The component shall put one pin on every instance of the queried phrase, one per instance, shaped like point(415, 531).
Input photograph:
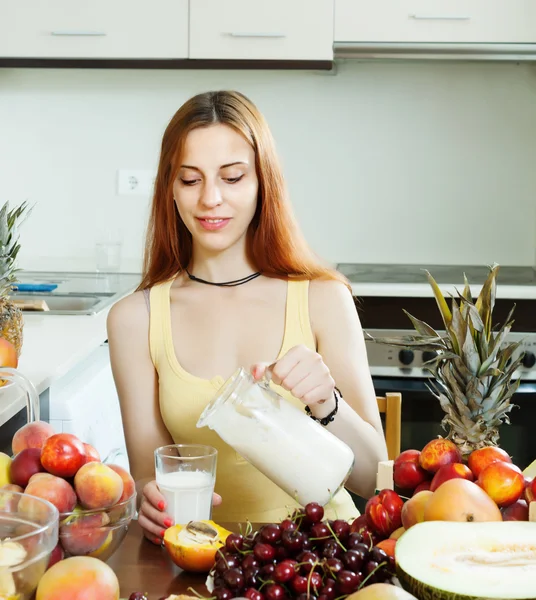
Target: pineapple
point(472, 373)
point(11, 321)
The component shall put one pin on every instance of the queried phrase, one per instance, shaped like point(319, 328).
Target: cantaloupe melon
point(440, 560)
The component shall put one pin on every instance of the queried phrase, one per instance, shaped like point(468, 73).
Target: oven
point(400, 370)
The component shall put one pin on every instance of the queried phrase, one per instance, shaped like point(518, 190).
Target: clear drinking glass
point(108, 256)
point(299, 455)
point(185, 474)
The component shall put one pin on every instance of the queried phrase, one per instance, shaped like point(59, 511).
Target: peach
point(483, 457)
point(31, 435)
point(461, 500)
point(397, 533)
point(424, 486)
point(451, 472)
point(63, 454)
point(518, 511)
point(92, 454)
point(12, 487)
point(98, 486)
point(54, 489)
point(25, 464)
point(129, 485)
point(83, 534)
point(381, 591)
point(437, 453)
point(407, 473)
point(56, 555)
point(78, 578)
point(8, 355)
point(503, 482)
point(413, 509)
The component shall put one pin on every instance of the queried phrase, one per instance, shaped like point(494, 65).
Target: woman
point(229, 282)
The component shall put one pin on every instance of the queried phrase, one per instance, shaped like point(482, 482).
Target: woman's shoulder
point(329, 297)
point(129, 310)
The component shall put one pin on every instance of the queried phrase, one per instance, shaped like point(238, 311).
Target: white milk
point(188, 494)
point(296, 453)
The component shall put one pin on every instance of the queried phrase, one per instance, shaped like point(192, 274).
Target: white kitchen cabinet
point(436, 21)
point(118, 29)
point(260, 30)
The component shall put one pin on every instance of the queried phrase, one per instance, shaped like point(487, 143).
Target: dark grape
point(299, 584)
point(341, 529)
point(320, 531)
point(274, 592)
point(379, 555)
point(353, 540)
point(334, 565)
point(222, 593)
point(314, 512)
point(353, 560)
point(284, 572)
point(253, 594)
point(292, 540)
point(267, 572)
point(234, 543)
point(331, 549)
point(264, 552)
point(287, 525)
point(348, 581)
point(234, 579)
point(270, 534)
point(251, 576)
point(250, 561)
point(138, 596)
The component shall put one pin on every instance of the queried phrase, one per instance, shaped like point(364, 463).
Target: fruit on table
point(407, 472)
point(129, 485)
point(193, 546)
point(8, 354)
point(468, 560)
point(25, 464)
point(388, 546)
point(63, 454)
point(54, 489)
point(78, 578)
point(91, 453)
point(518, 511)
point(5, 469)
point(503, 482)
point(530, 490)
point(397, 533)
point(451, 471)
point(83, 534)
point(383, 511)
point(483, 457)
point(461, 500)
point(31, 435)
point(97, 486)
point(381, 591)
point(424, 486)
point(56, 555)
point(438, 453)
point(413, 509)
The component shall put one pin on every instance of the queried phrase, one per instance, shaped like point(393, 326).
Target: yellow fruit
point(5, 467)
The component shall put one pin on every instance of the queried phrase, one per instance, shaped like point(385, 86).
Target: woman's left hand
point(302, 372)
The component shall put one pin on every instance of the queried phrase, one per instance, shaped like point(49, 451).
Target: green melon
point(446, 560)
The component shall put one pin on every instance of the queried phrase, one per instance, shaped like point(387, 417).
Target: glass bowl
point(28, 534)
point(97, 532)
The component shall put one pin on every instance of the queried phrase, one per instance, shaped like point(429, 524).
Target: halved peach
point(193, 546)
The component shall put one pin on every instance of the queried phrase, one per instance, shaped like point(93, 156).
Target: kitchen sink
point(55, 303)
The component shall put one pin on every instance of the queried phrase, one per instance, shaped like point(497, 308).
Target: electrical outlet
point(135, 182)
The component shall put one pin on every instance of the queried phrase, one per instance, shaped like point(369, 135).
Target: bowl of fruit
point(95, 501)
point(28, 535)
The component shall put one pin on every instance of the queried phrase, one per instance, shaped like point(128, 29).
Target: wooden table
point(143, 567)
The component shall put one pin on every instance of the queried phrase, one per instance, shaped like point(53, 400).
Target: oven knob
point(428, 355)
point(529, 360)
point(406, 356)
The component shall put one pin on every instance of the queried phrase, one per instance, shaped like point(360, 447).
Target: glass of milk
point(277, 437)
point(185, 475)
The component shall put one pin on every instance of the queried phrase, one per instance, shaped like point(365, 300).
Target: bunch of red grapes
point(302, 558)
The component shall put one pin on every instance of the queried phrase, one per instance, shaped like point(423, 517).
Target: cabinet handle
point(440, 17)
point(256, 34)
point(74, 32)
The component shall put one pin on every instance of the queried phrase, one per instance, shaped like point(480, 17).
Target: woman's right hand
point(152, 515)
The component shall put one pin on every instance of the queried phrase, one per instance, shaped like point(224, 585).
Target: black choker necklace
point(224, 283)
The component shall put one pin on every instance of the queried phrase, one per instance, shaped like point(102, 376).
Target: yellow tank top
point(247, 494)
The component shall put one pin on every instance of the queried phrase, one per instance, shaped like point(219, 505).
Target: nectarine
point(129, 485)
point(25, 464)
point(91, 453)
point(518, 511)
point(63, 454)
point(407, 473)
point(437, 453)
point(54, 489)
point(451, 471)
point(97, 486)
point(483, 457)
point(503, 482)
point(383, 512)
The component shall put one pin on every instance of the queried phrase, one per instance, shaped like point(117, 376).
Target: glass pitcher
point(299, 455)
point(15, 377)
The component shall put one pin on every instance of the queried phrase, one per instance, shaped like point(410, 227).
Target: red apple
point(407, 473)
point(25, 464)
point(452, 471)
point(518, 511)
point(384, 512)
point(63, 454)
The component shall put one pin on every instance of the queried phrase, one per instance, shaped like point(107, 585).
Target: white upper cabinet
point(96, 29)
point(261, 30)
point(436, 21)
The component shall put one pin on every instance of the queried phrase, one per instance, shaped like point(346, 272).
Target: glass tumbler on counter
point(185, 475)
point(108, 256)
point(299, 455)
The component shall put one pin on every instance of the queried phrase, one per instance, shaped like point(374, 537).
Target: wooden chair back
point(391, 406)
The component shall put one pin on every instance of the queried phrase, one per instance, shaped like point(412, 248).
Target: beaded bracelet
point(328, 418)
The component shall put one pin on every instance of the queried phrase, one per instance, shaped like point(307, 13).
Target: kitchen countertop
point(52, 346)
point(424, 290)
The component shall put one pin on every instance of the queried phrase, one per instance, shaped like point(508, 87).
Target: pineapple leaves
point(441, 302)
point(486, 299)
point(422, 327)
